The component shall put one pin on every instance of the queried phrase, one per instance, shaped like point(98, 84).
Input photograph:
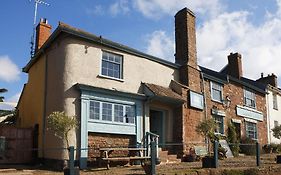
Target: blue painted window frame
point(249, 98)
point(112, 65)
point(251, 130)
point(109, 112)
point(216, 92)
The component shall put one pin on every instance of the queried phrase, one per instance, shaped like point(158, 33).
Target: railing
point(149, 137)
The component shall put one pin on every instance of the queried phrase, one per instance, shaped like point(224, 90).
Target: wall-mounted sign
point(218, 112)
point(196, 100)
point(249, 113)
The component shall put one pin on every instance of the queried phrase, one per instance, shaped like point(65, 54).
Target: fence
point(12, 141)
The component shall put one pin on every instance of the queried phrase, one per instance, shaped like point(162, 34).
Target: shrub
point(232, 139)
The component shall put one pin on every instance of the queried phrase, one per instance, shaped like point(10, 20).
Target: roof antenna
point(36, 2)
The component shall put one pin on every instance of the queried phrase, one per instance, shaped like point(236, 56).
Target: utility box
point(2, 146)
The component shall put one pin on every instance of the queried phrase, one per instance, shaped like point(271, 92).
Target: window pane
point(219, 122)
point(249, 98)
point(107, 111)
point(111, 65)
point(251, 130)
point(118, 113)
point(216, 91)
point(94, 110)
point(130, 114)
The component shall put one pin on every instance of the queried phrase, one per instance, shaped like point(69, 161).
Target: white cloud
point(96, 10)
point(160, 45)
point(14, 98)
point(9, 71)
point(157, 8)
point(120, 6)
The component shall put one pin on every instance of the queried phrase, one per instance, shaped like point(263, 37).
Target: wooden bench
point(105, 155)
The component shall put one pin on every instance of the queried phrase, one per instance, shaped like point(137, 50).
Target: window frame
point(103, 60)
point(220, 121)
point(212, 84)
point(250, 132)
point(114, 118)
point(274, 101)
point(252, 98)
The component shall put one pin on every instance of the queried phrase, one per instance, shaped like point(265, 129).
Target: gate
point(16, 145)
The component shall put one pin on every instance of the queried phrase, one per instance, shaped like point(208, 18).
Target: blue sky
point(252, 28)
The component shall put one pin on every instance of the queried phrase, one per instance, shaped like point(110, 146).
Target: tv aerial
point(36, 2)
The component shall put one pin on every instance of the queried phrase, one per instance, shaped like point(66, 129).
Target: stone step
point(165, 157)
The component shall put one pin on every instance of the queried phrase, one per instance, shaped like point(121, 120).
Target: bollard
point(153, 157)
point(71, 160)
point(216, 145)
point(258, 153)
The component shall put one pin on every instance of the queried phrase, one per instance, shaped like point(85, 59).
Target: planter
point(66, 171)
point(208, 162)
point(278, 159)
point(147, 169)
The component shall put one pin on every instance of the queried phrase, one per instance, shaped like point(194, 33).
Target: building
point(119, 94)
point(273, 101)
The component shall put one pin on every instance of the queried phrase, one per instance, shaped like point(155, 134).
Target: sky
point(250, 27)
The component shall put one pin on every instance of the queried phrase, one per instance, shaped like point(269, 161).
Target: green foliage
point(272, 148)
point(2, 90)
point(232, 138)
point(277, 132)
point(61, 124)
point(207, 128)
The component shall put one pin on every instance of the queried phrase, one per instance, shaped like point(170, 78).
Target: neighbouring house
point(119, 94)
point(273, 101)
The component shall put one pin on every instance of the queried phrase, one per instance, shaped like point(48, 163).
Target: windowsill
point(217, 101)
point(111, 78)
point(275, 109)
point(220, 134)
point(110, 122)
point(251, 107)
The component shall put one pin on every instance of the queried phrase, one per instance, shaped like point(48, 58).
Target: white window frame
point(220, 90)
point(120, 64)
point(219, 123)
point(274, 101)
point(252, 98)
point(254, 131)
point(131, 120)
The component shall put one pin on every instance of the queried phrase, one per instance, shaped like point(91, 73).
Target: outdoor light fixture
point(226, 102)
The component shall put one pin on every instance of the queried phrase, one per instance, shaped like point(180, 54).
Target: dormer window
point(111, 65)
point(249, 98)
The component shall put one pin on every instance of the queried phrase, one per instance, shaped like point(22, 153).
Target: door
point(156, 124)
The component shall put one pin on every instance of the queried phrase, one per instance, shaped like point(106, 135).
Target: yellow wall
point(32, 99)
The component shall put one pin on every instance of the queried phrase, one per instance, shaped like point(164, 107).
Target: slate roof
point(83, 35)
point(223, 78)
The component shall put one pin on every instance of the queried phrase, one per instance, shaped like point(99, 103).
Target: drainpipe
point(44, 106)
point(268, 117)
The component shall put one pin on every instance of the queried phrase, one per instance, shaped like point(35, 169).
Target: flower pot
point(147, 169)
point(278, 159)
point(66, 171)
point(208, 162)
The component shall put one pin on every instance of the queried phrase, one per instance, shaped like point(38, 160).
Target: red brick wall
point(96, 140)
point(236, 94)
point(43, 31)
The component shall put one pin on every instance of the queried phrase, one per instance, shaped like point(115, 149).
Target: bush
point(232, 139)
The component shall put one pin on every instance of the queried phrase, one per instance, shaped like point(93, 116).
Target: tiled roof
point(161, 91)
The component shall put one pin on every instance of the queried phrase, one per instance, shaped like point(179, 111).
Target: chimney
point(43, 31)
point(186, 56)
point(270, 79)
point(235, 65)
point(185, 38)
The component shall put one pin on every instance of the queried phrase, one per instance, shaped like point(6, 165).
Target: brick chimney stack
point(270, 79)
point(186, 54)
point(185, 38)
point(235, 65)
point(43, 31)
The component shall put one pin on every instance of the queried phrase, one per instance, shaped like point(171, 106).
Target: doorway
point(156, 123)
point(237, 130)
